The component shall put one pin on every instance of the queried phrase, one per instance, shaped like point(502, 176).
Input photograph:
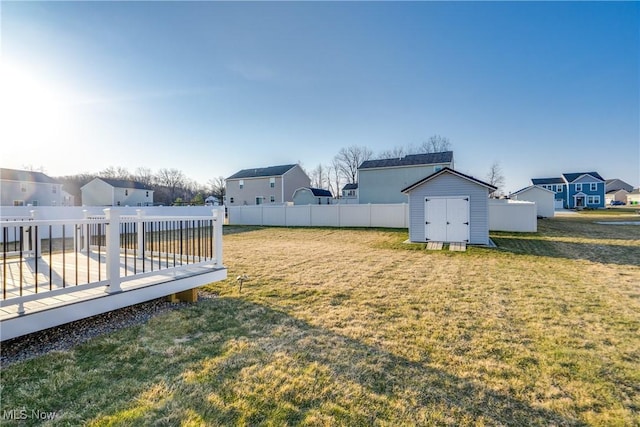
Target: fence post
point(140, 234)
point(113, 250)
point(217, 234)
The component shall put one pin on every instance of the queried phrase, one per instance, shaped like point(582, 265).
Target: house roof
point(531, 187)
point(25, 176)
point(262, 172)
point(410, 160)
point(352, 186)
point(452, 172)
point(124, 183)
point(570, 177)
point(542, 181)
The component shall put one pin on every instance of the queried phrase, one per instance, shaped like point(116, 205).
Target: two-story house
point(116, 192)
point(30, 188)
point(273, 184)
point(382, 180)
point(576, 190)
point(616, 190)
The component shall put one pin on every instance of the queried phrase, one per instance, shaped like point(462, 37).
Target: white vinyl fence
point(510, 215)
point(503, 215)
point(338, 215)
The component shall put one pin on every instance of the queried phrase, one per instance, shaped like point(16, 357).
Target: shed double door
point(447, 219)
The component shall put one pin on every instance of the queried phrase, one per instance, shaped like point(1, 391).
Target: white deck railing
point(47, 258)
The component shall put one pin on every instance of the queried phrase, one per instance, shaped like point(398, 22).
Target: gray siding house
point(448, 206)
point(312, 196)
point(24, 188)
point(273, 185)
point(382, 181)
point(116, 192)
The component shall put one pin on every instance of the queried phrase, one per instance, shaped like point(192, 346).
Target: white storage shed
point(543, 198)
point(449, 206)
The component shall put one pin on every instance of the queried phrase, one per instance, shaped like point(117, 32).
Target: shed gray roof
point(570, 177)
point(410, 160)
point(453, 172)
point(319, 192)
point(124, 183)
point(542, 181)
point(352, 186)
point(261, 172)
point(25, 176)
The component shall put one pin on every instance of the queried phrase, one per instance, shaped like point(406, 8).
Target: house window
point(593, 200)
point(258, 200)
point(54, 189)
point(147, 194)
point(118, 203)
point(272, 199)
point(23, 188)
point(241, 184)
point(231, 200)
point(35, 202)
point(594, 186)
point(559, 188)
point(126, 192)
point(18, 203)
point(272, 182)
point(578, 187)
point(437, 168)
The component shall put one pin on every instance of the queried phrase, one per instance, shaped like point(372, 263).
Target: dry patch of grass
point(352, 327)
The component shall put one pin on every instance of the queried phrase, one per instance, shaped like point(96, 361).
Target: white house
point(116, 192)
point(633, 198)
point(543, 198)
point(312, 196)
point(273, 184)
point(30, 188)
point(382, 181)
point(449, 206)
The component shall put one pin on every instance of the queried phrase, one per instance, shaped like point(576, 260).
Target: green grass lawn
point(353, 327)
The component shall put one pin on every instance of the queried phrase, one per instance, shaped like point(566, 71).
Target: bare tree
point(435, 144)
point(115, 172)
point(349, 159)
point(218, 188)
point(319, 176)
point(495, 177)
point(394, 153)
point(334, 178)
point(172, 179)
point(144, 175)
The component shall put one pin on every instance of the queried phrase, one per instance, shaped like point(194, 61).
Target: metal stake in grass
point(241, 280)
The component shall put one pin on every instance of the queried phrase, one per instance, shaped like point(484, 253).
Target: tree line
point(170, 186)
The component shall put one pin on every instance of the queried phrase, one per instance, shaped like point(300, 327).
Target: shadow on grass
point(246, 363)
point(600, 253)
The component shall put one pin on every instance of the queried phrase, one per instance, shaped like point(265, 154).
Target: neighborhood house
point(382, 181)
point(116, 192)
point(575, 190)
point(30, 188)
point(273, 184)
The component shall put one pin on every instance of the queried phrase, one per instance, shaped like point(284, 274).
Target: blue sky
point(213, 87)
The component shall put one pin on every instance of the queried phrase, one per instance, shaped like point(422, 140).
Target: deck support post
point(140, 222)
point(36, 239)
point(113, 250)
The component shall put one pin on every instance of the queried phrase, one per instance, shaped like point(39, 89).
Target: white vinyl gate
point(447, 219)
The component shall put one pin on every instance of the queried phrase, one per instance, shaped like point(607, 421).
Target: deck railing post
point(36, 239)
point(84, 240)
point(218, 220)
point(140, 222)
point(112, 247)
